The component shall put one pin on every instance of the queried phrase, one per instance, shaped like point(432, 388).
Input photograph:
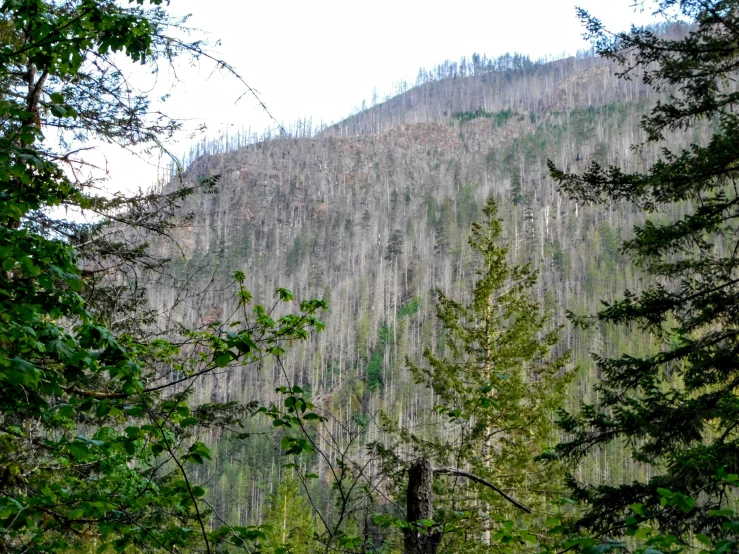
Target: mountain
point(372, 214)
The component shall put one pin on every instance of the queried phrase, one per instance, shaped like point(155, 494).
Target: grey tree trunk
point(420, 506)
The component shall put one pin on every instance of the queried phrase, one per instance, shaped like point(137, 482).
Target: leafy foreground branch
point(95, 450)
point(97, 439)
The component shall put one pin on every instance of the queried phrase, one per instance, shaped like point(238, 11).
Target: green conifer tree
point(496, 384)
point(394, 245)
point(677, 406)
point(517, 195)
point(289, 518)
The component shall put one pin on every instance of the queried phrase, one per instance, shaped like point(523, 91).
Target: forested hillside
point(373, 215)
point(496, 312)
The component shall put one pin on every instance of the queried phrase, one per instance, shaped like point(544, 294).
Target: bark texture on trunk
point(420, 506)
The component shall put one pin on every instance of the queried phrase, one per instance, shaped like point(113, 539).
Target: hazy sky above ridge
point(320, 59)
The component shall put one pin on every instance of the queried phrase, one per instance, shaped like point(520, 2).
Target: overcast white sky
point(320, 59)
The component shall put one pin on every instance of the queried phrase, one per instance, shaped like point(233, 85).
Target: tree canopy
point(675, 407)
point(97, 438)
point(101, 440)
point(496, 381)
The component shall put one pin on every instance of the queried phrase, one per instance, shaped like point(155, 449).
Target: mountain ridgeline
point(373, 214)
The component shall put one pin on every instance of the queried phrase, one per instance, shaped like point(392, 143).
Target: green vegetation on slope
point(108, 402)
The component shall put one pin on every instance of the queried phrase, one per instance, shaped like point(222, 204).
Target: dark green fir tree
point(677, 407)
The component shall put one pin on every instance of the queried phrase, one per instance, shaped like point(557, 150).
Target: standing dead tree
point(420, 505)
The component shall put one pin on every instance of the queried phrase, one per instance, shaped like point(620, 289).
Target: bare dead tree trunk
point(420, 506)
